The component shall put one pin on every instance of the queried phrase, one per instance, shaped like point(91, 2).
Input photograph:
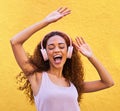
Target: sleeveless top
point(52, 97)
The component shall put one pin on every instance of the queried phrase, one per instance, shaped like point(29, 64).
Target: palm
point(57, 14)
point(83, 47)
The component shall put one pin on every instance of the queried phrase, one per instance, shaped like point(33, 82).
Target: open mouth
point(57, 58)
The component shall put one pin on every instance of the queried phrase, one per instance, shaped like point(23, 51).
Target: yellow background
point(98, 21)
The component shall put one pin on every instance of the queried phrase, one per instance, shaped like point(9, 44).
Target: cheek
point(50, 54)
point(65, 51)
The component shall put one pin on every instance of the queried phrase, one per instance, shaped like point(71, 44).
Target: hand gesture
point(57, 14)
point(83, 47)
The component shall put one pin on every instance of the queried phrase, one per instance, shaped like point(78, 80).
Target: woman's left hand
point(83, 47)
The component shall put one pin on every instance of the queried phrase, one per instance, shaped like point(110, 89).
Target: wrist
point(91, 57)
point(45, 21)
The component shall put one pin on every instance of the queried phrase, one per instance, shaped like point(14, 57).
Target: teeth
point(57, 59)
point(57, 56)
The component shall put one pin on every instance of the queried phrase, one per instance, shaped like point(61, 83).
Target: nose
point(57, 49)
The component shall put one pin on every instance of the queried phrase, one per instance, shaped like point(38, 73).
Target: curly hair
point(72, 70)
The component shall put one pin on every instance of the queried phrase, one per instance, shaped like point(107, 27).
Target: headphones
point(69, 52)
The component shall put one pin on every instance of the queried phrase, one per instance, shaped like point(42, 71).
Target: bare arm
point(105, 78)
point(19, 52)
point(18, 40)
point(17, 45)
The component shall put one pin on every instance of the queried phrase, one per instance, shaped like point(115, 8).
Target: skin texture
point(55, 70)
point(56, 46)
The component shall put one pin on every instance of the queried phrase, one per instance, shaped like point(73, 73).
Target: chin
point(58, 66)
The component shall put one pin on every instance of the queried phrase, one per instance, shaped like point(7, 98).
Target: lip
point(57, 59)
point(55, 56)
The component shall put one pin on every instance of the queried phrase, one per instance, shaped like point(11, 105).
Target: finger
point(78, 41)
point(66, 12)
point(79, 38)
point(76, 45)
point(83, 41)
point(62, 10)
point(59, 9)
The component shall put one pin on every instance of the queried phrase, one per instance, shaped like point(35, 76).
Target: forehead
point(55, 39)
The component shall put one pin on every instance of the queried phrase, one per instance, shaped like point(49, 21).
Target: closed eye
point(61, 45)
point(51, 47)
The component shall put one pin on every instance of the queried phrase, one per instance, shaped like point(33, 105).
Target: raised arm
point(18, 40)
point(105, 78)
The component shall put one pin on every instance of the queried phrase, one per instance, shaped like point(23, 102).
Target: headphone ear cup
point(69, 53)
point(44, 54)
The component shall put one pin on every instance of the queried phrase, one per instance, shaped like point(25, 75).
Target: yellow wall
point(98, 21)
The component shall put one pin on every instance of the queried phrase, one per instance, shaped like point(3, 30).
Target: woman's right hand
point(57, 14)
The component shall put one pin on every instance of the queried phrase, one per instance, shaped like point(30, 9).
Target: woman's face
point(57, 51)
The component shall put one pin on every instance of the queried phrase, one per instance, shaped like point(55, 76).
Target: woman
point(54, 74)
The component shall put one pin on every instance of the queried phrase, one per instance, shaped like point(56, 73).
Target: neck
point(56, 72)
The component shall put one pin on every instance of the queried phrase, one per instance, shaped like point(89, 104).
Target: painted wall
point(98, 21)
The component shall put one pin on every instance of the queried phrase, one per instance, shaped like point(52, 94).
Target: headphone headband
point(56, 34)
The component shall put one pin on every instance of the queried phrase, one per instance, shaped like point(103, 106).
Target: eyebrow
point(53, 44)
